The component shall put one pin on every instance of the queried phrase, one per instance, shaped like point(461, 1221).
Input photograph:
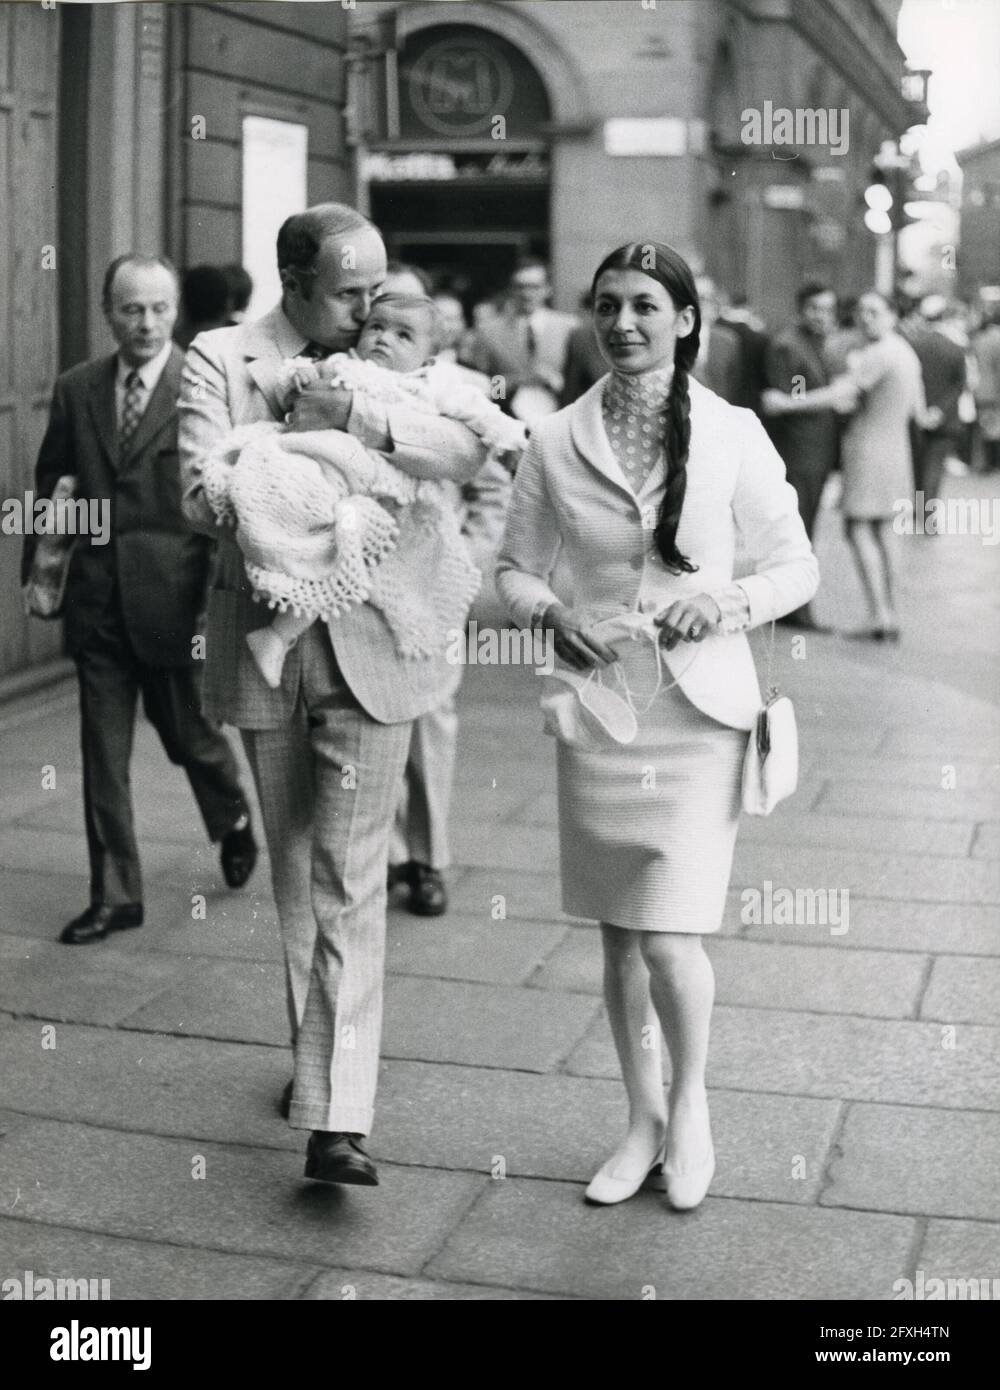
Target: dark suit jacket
point(809, 443)
point(942, 363)
point(159, 564)
point(584, 363)
point(751, 375)
point(719, 367)
point(498, 348)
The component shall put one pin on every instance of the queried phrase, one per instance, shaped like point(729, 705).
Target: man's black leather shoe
point(428, 895)
point(398, 874)
point(238, 856)
point(332, 1157)
point(98, 921)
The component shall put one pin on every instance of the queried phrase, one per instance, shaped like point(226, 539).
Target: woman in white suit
point(631, 500)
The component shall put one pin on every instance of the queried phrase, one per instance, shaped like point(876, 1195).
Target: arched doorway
point(462, 187)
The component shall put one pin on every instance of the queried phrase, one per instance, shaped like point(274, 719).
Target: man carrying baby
point(316, 512)
point(327, 747)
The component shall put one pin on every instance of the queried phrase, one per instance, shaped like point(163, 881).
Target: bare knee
point(670, 953)
point(622, 947)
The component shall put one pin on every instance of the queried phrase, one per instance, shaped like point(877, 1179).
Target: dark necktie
point(314, 351)
point(531, 342)
point(131, 407)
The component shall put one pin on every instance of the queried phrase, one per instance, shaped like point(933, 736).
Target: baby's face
point(398, 338)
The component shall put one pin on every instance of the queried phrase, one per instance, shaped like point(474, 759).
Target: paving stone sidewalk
point(855, 1064)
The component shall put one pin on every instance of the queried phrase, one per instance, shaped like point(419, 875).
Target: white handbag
point(771, 764)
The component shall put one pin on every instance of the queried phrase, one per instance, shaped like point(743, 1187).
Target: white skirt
point(647, 830)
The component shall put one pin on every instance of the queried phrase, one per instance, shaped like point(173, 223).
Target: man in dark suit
point(132, 606)
point(525, 345)
point(584, 364)
point(750, 333)
point(800, 405)
point(942, 364)
point(718, 365)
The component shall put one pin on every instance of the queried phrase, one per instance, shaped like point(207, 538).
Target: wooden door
point(29, 271)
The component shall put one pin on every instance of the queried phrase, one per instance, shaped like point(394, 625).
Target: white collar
point(150, 372)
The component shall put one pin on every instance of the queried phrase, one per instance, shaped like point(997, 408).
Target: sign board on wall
point(275, 184)
point(659, 135)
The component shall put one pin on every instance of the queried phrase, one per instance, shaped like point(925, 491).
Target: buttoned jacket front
point(577, 532)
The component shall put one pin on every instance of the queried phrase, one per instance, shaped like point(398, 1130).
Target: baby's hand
point(305, 373)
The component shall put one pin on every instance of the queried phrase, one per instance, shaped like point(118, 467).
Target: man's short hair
point(529, 263)
point(395, 267)
point(448, 297)
point(809, 291)
point(205, 293)
point(134, 258)
point(240, 286)
point(301, 235)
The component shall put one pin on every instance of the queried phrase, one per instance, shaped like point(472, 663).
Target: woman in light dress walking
point(876, 454)
point(639, 490)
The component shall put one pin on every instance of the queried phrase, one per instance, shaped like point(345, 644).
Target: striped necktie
point(132, 407)
point(530, 341)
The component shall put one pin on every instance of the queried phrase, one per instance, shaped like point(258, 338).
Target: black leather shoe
point(285, 1103)
point(428, 895)
point(238, 856)
point(398, 874)
point(332, 1157)
point(98, 921)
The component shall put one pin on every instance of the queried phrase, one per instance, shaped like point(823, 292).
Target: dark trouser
point(936, 448)
point(111, 677)
point(808, 484)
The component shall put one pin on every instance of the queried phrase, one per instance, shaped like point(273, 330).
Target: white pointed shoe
point(685, 1191)
point(606, 1189)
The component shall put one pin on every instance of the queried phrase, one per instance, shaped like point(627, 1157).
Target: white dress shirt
point(149, 374)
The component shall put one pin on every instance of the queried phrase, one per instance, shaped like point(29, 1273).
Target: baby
point(319, 514)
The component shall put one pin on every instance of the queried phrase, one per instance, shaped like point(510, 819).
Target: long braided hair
point(663, 264)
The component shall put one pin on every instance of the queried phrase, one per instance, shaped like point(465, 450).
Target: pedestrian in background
point(205, 303)
point(800, 404)
point(942, 366)
point(133, 606)
point(525, 344)
point(639, 489)
point(986, 351)
point(718, 366)
point(584, 363)
point(420, 848)
point(240, 284)
point(877, 454)
point(751, 334)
